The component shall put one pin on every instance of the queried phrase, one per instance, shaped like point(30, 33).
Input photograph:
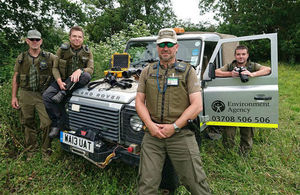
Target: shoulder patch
point(86, 48)
point(65, 46)
point(21, 57)
point(45, 54)
point(153, 65)
point(180, 66)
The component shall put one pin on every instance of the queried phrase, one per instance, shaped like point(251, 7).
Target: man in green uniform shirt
point(251, 69)
point(168, 96)
point(32, 75)
point(73, 70)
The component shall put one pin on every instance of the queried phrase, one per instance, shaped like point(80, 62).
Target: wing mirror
point(211, 71)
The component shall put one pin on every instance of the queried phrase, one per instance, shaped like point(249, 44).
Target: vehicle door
point(231, 102)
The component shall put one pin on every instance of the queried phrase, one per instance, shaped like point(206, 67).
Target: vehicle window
point(189, 51)
point(142, 52)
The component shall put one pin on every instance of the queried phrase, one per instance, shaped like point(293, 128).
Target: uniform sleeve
point(55, 69)
point(193, 82)
point(53, 59)
point(17, 64)
point(142, 81)
point(225, 68)
point(257, 66)
point(90, 64)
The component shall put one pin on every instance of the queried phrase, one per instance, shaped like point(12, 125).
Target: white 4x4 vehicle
point(104, 124)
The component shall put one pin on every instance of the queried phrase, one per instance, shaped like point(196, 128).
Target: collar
point(169, 66)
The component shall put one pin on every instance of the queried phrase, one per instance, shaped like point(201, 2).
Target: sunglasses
point(168, 44)
point(37, 40)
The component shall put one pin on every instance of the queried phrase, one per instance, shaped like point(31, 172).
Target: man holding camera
point(244, 68)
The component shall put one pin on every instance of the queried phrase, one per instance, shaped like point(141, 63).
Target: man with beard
point(167, 97)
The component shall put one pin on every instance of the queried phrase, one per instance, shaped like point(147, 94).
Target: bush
point(116, 43)
point(11, 133)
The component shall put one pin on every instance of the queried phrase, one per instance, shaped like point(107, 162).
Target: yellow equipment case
point(120, 62)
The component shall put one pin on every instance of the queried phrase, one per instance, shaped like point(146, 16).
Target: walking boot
point(54, 132)
point(59, 97)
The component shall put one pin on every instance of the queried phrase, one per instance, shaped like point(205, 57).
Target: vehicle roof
point(205, 36)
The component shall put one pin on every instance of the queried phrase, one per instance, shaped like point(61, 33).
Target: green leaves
point(248, 17)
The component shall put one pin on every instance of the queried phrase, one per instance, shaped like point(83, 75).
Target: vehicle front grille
point(105, 119)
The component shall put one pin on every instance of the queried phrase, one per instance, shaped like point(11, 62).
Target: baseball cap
point(166, 35)
point(34, 34)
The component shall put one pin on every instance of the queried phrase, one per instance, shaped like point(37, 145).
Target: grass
point(272, 167)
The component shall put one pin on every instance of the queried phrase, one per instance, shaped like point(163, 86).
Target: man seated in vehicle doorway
point(244, 68)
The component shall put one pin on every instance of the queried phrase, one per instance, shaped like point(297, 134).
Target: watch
point(177, 129)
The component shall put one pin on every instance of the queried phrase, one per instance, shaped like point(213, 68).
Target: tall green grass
point(272, 167)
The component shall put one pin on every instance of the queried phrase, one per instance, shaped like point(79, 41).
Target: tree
point(117, 15)
point(246, 17)
point(17, 17)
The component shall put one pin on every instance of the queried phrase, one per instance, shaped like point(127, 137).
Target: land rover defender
point(104, 125)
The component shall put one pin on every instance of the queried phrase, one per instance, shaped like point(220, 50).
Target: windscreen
point(143, 52)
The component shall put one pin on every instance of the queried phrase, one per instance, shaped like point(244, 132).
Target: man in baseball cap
point(32, 76)
point(166, 118)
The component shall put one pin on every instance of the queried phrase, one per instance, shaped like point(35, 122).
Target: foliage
point(17, 17)
point(117, 15)
point(6, 59)
point(247, 17)
point(116, 43)
point(190, 27)
point(271, 168)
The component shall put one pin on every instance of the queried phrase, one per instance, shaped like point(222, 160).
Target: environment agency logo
point(218, 106)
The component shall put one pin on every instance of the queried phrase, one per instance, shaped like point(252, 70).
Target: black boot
point(59, 97)
point(54, 132)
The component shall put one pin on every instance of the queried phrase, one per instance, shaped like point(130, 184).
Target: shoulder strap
point(251, 66)
point(230, 66)
point(20, 61)
point(65, 46)
point(86, 49)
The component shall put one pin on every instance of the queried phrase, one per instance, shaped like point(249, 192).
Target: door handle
point(262, 97)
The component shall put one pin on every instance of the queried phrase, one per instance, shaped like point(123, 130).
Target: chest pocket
point(178, 97)
point(85, 60)
point(43, 66)
point(62, 65)
point(23, 80)
point(152, 94)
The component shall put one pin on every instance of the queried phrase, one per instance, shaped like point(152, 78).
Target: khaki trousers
point(30, 102)
point(183, 151)
point(247, 134)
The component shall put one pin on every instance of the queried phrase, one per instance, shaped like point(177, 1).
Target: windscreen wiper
point(143, 62)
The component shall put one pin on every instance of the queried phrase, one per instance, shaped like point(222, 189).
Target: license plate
point(78, 142)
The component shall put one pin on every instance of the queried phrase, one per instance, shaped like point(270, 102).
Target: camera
point(244, 78)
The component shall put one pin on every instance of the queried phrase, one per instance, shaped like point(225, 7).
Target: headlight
point(136, 123)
